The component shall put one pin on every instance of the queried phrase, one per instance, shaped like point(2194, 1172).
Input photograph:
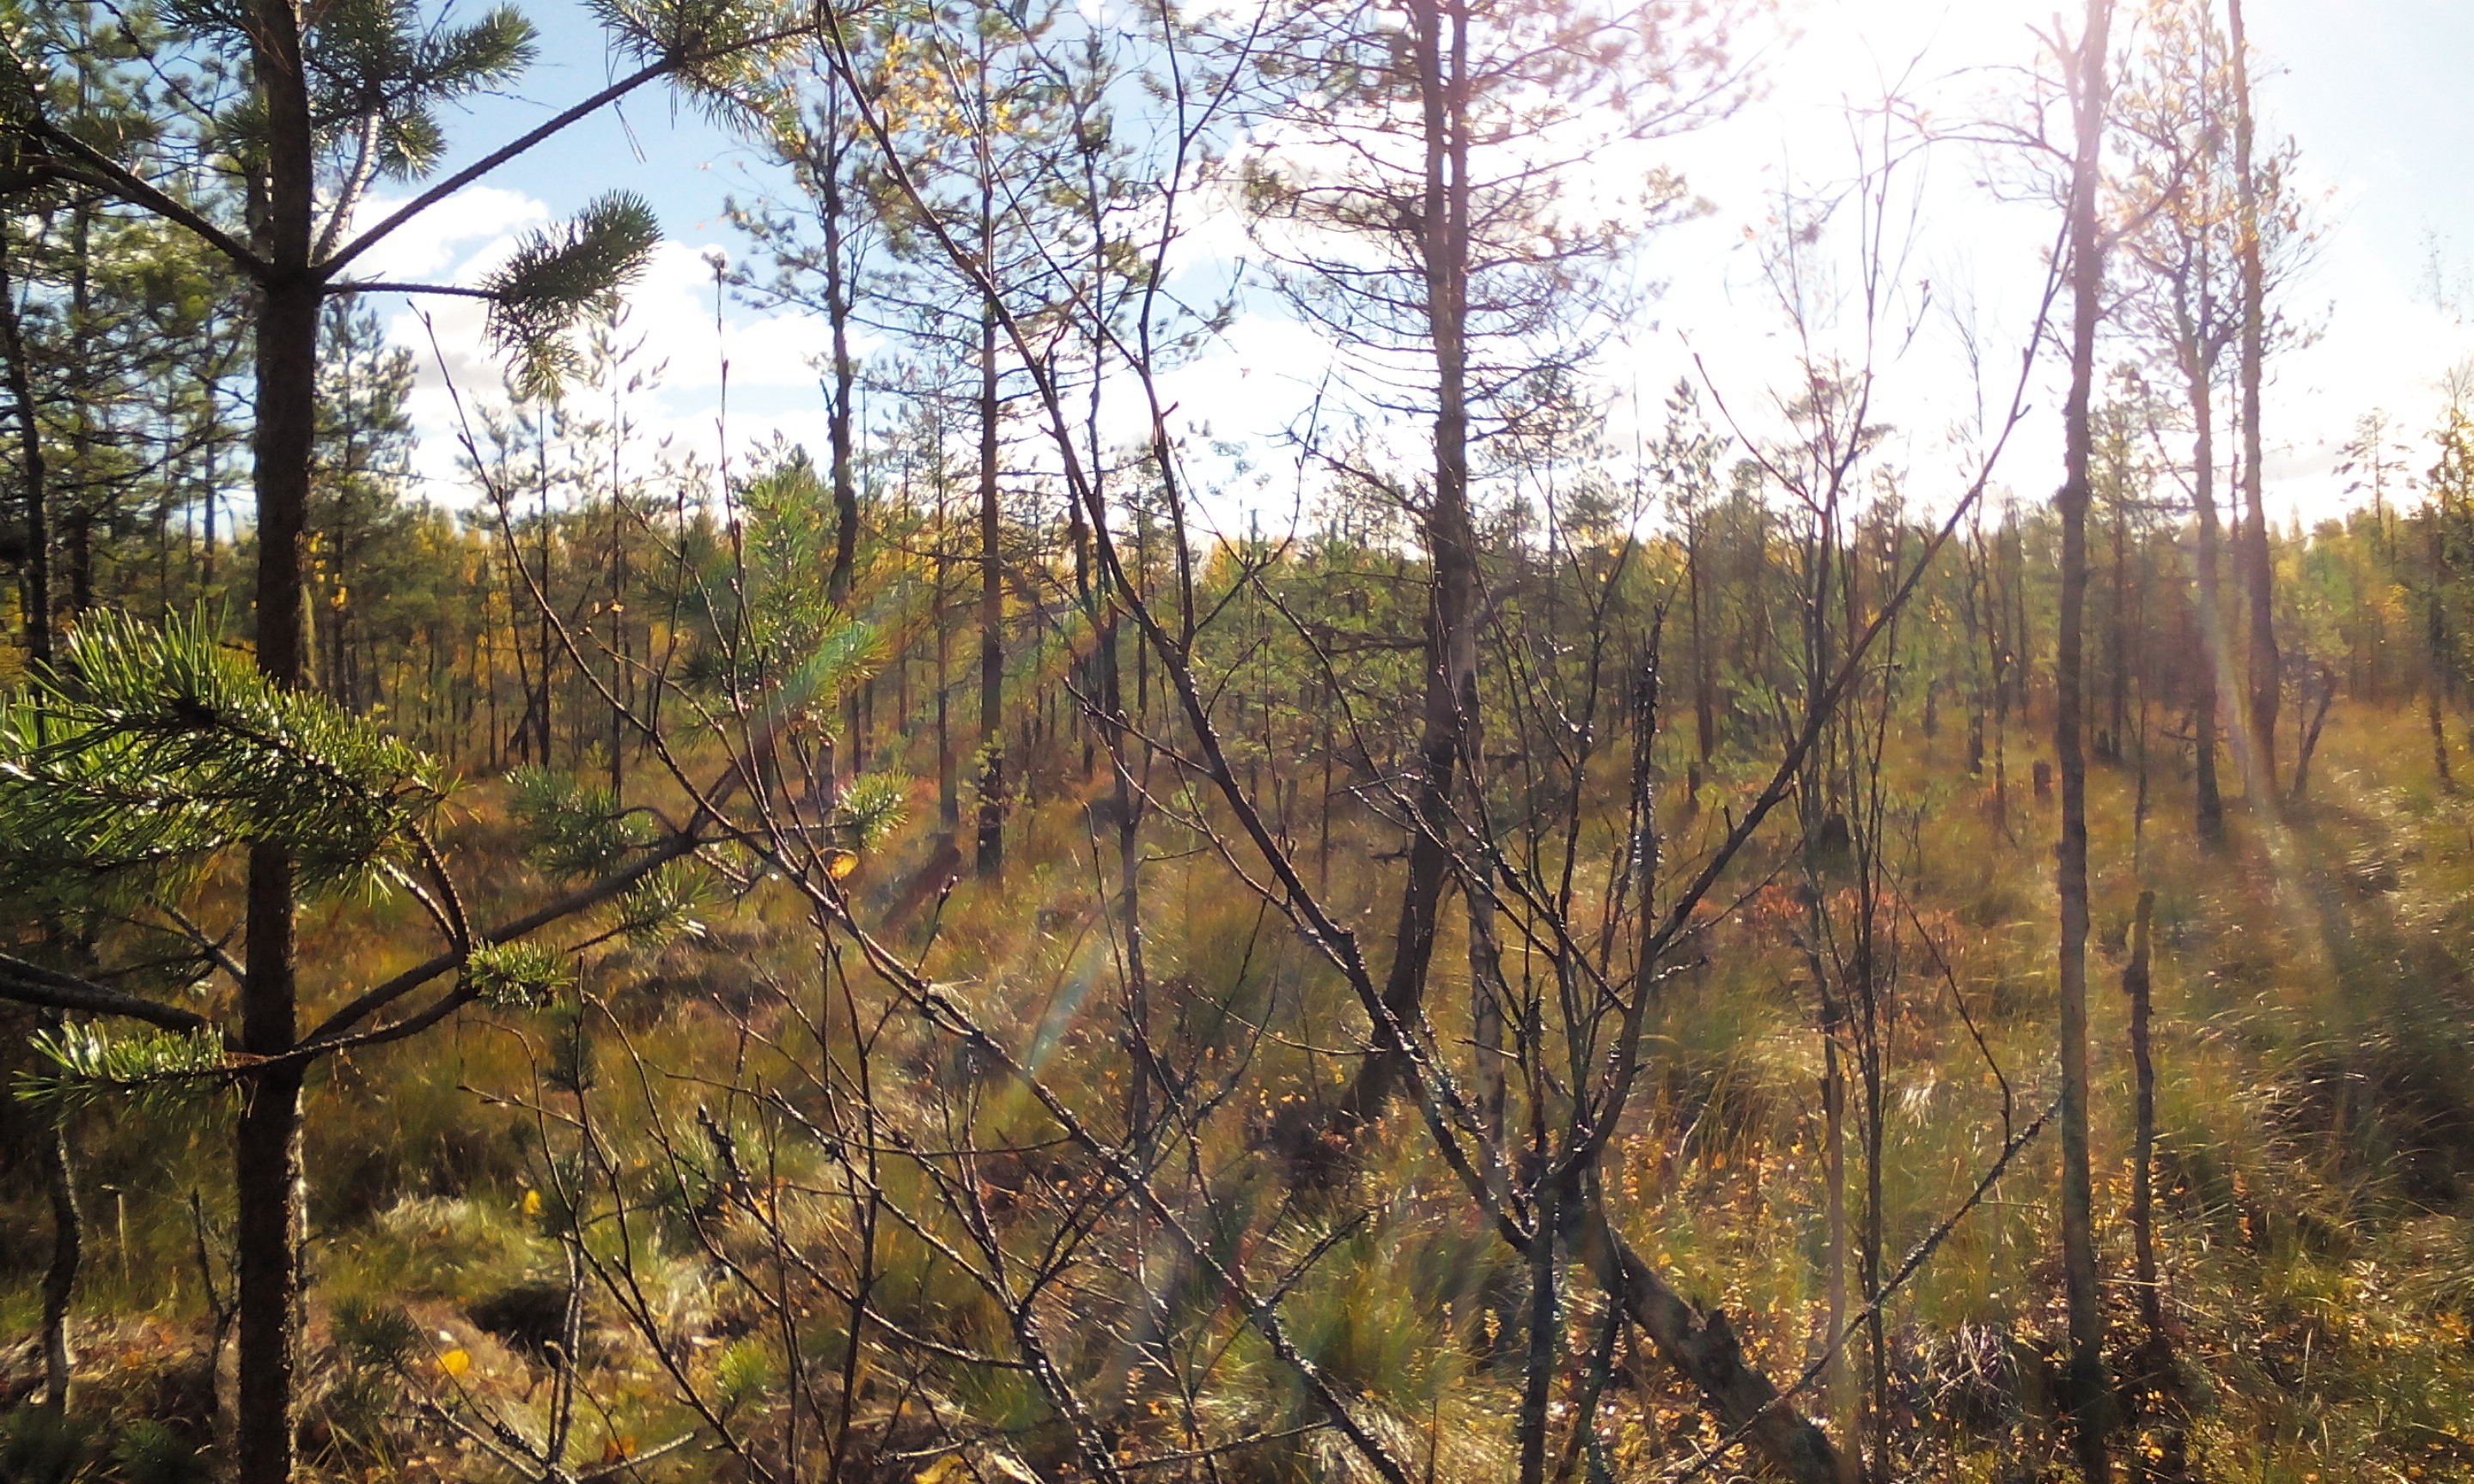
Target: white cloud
point(437, 245)
point(670, 308)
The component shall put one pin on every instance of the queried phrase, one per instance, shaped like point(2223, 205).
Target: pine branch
point(331, 1031)
point(556, 276)
point(489, 162)
point(458, 290)
point(32, 984)
point(101, 171)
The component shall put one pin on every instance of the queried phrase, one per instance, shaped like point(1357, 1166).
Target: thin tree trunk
point(617, 610)
point(2117, 638)
point(215, 444)
point(2209, 818)
point(2005, 660)
point(266, 1170)
point(993, 761)
point(266, 1155)
point(1125, 806)
point(2435, 653)
point(68, 1234)
point(77, 531)
point(2087, 1396)
point(2267, 672)
point(1977, 652)
point(838, 305)
point(2310, 726)
point(545, 637)
point(1546, 1332)
point(949, 797)
point(1839, 1379)
point(1488, 997)
point(2142, 1173)
point(1450, 720)
point(1705, 688)
point(30, 470)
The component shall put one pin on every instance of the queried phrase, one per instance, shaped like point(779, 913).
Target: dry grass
point(2317, 1109)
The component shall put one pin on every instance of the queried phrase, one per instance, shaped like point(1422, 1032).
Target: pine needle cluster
point(147, 753)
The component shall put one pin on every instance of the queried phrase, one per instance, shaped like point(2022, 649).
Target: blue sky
point(2371, 90)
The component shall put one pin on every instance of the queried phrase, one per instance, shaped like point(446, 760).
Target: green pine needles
point(571, 830)
point(381, 68)
point(147, 753)
point(83, 1065)
point(517, 975)
point(558, 275)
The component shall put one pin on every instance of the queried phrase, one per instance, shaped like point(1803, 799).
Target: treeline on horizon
point(976, 951)
point(457, 622)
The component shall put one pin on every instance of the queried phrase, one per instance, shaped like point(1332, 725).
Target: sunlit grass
point(2316, 1106)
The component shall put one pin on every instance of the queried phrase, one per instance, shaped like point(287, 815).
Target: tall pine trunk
point(266, 1155)
point(1450, 716)
point(2086, 1392)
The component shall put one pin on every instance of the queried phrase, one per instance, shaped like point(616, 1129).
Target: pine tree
point(330, 102)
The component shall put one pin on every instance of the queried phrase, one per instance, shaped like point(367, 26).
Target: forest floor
point(2313, 991)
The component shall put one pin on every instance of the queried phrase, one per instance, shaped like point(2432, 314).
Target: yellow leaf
point(841, 864)
point(532, 1203)
point(455, 1362)
point(938, 1472)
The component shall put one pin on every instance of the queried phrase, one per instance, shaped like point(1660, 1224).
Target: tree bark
point(2266, 671)
point(2086, 1392)
point(1450, 712)
point(837, 306)
point(78, 525)
point(266, 1155)
point(30, 461)
point(2209, 810)
point(992, 767)
point(1704, 1347)
point(2135, 988)
point(68, 1251)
